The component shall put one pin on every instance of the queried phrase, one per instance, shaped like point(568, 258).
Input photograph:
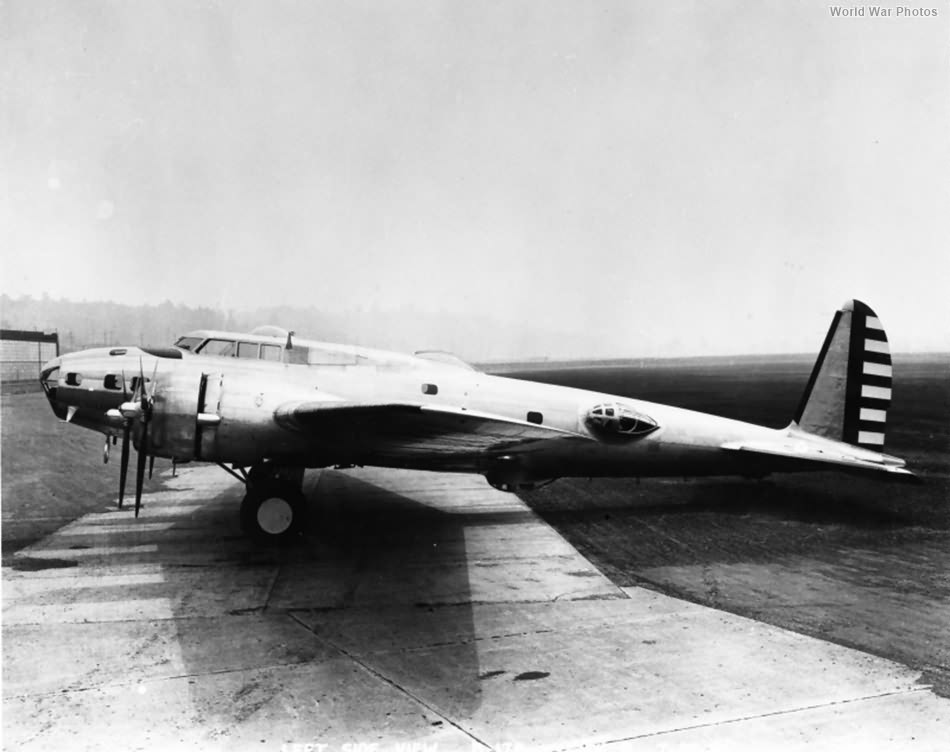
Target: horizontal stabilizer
point(805, 453)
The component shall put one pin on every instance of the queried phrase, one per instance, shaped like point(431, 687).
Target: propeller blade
point(142, 390)
point(146, 396)
point(124, 462)
point(154, 386)
point(140, 467)
point(151, 465)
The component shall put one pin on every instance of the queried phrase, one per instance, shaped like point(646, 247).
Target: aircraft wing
point(802, 453)
point(401, 429)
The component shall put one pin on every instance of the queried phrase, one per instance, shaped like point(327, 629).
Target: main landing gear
point(274, 508)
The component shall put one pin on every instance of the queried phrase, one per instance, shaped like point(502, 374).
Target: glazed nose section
point(50, 374)
point(49, 378)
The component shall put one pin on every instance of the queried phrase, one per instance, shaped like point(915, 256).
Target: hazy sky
point(670, 178)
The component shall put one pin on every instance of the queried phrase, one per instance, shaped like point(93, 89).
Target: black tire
point(273, 513)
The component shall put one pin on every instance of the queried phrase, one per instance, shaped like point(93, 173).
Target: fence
point(22, 354)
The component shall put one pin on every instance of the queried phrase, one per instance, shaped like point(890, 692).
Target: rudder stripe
point(870, 380)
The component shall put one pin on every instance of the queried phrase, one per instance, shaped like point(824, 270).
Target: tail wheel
point(273, 513)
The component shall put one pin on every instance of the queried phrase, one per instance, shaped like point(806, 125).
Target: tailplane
point(849, 391)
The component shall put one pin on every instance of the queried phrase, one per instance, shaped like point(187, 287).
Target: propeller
point(124, 462)
point(139, 407)
point(126, 433)
point(147, 401)
point(140, 467)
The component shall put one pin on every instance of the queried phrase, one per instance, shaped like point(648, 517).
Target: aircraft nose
point(50, 372)
point(49, 378)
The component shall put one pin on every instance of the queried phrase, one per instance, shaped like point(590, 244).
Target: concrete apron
point(422, 611)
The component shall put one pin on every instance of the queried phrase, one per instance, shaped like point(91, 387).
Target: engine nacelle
point(216, 417)
point(236, 420)
point(511, 486)
point(173, 426)
point(509, 473)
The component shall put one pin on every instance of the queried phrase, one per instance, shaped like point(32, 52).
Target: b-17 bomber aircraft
point(265, 406)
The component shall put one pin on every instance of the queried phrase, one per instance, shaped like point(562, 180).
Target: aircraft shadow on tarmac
point(806, 503)
point(838, 501)
point(626, 529)
point(379, 584)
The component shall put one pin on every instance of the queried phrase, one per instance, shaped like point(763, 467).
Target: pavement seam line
point(270, 587)
point(395, 685)
point(775, 713)
point(155, 679)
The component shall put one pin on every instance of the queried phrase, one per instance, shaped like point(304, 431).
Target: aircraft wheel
point(273, 513)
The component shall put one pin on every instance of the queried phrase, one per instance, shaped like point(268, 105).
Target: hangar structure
point(22, 354)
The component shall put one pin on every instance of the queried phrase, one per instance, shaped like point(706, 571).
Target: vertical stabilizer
point(849, 390)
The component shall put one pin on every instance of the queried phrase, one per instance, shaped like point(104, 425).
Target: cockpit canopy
point(616, 421)
point(255, 347)
point(269, 330)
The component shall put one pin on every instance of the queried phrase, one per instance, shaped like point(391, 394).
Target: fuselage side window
point(223, 347)
point(247, 350)
point(270, 352)
point(298, 354)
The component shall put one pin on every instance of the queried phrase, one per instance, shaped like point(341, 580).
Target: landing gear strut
point(274, 507)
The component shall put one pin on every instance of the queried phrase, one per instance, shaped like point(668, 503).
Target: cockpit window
point(223, 347)
point(247, 350)
point(271, 352)
point(188, 343)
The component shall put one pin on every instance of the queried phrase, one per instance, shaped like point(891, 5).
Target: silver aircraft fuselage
point(233, 410)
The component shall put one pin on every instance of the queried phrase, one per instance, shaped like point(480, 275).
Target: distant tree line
point(472, 337)
point(88, 324)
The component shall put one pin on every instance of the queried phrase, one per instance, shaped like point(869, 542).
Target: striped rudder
point(850, 386)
